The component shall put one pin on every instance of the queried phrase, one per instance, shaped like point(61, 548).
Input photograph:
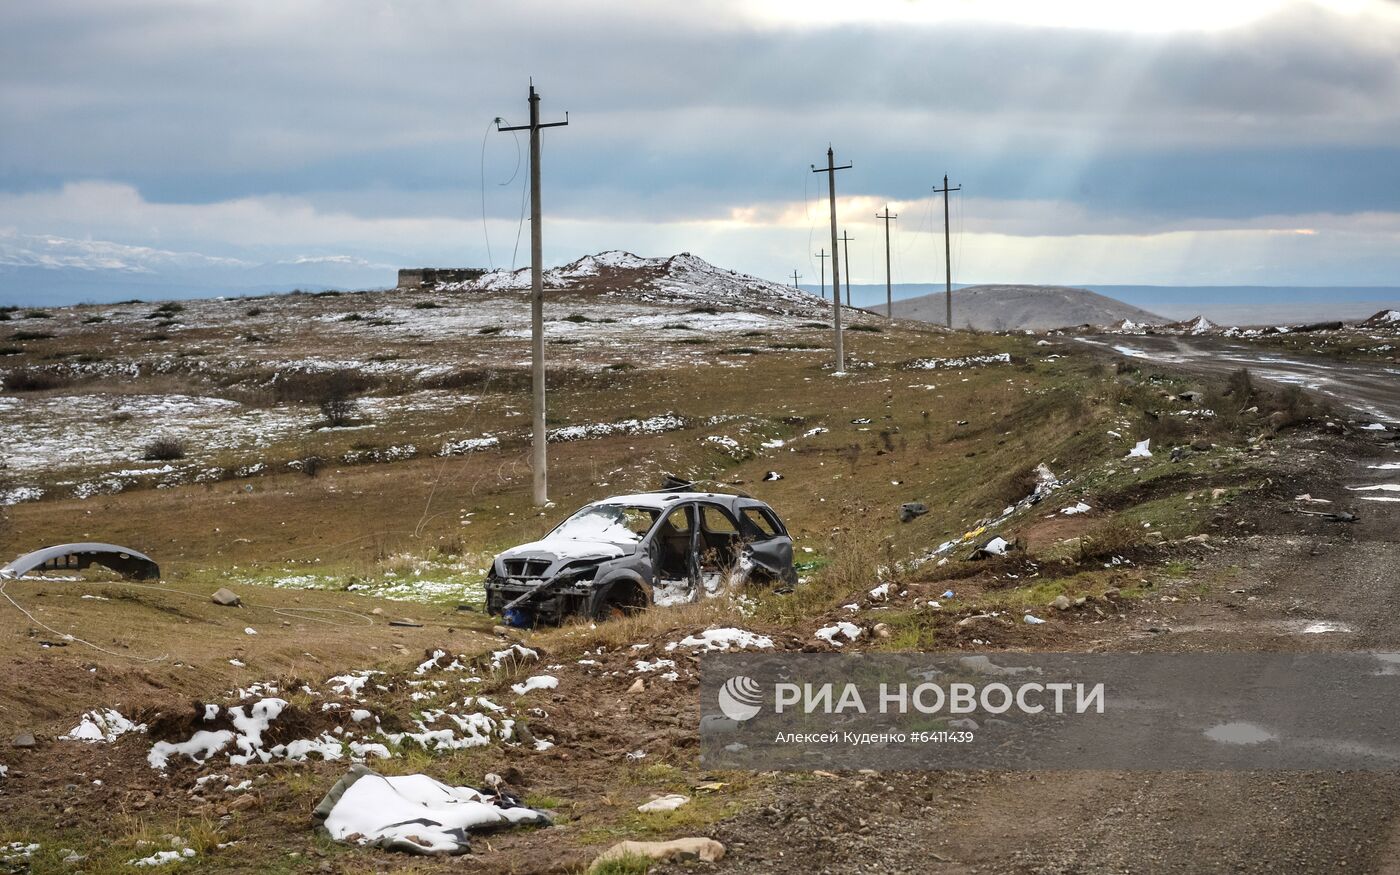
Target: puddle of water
point(1239, 732)
point(1317, 627)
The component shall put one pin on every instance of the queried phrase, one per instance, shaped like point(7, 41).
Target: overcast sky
point(1221, 142)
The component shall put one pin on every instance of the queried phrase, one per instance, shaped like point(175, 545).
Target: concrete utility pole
point(846, 254)
point(947, 249)
point(889, 295)
point(540, 459)
point(823, 256)
point(830, 171)
point(795, 277)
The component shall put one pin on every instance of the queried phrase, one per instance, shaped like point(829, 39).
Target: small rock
point(1201, 446)
point(226, 597)
point(1061, 603)
point(500, 631)
point(966, 723)
point(912, 510)
point(24, 740)
point(637, 686)
point(245, 802)
point(881, 630)
point(378, 612)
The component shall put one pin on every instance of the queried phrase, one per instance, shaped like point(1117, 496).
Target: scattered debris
point(669, 802)
point(415, 813)
point(1141, 450)
point(1032, 619)
point(1081, 507)
point(912, 510)
point(770, 476)
point(686, 849)
point(76, 557)
point(1340, 517)
point(997, 546)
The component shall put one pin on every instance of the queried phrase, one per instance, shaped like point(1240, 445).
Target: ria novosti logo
point(740, 698)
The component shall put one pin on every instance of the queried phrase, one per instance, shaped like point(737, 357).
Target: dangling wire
point(485, 232)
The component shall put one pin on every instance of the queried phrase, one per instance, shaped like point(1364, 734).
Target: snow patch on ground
point(538, 682)
point(723, 640)
point(829, 634)
point(105, 725)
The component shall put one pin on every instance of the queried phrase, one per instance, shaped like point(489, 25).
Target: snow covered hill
point(682, 278)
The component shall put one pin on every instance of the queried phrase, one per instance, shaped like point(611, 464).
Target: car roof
point(664, 500)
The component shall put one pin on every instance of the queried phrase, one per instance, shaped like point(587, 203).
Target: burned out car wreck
point(630, 552)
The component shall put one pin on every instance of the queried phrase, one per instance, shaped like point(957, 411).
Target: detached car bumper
point(548, 608)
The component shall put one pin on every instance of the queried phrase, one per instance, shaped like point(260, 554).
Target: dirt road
point(1267, 580)
point(1369, 390)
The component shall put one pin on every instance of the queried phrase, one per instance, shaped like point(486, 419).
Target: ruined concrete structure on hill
point(427, 277)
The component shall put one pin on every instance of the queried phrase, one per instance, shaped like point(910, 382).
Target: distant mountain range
point(1001, 308)
point(1226, 305)
point(51, 270)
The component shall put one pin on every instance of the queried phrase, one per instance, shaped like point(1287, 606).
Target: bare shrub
point(34, 380)
point(164, 449)
point(316, 386)
point(1114, 536)
point(338, 408)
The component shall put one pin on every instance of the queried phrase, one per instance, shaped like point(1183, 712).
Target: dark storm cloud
point(686, 111)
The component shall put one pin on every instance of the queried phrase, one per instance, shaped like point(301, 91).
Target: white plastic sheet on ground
point(415, 813)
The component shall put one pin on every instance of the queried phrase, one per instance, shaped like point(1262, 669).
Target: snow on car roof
point(662, 500)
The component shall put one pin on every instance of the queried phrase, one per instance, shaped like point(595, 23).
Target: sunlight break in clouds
point(1112, 15)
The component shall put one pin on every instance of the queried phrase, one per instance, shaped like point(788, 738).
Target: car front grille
point(526, 567)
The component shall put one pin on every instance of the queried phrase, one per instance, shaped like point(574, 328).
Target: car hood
point(569, 549)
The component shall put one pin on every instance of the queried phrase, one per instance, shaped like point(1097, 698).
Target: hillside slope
point(999, 308)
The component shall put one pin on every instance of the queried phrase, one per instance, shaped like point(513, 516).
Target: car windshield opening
point(613, 523)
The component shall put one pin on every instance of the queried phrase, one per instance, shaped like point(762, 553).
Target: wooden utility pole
point(947, 249)
point(846, 254)
point(540, 459)
point(823, 256)
point(889, 295)
point(830, 171)
point(795, 277)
